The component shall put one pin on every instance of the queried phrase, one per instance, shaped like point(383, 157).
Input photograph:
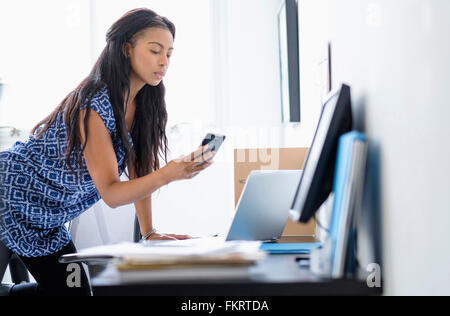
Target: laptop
point(261, 213)
point(263, 209)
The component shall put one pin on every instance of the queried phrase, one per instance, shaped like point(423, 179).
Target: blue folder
point(348, 182)
point(290, 248)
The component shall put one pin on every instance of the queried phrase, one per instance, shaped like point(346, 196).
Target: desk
point(277, 275)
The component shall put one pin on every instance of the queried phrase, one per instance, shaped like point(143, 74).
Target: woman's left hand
point(162, 236)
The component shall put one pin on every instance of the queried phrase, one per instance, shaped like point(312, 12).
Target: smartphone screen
point(213, 141)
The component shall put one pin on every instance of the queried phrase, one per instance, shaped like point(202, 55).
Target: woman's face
point(150, 55)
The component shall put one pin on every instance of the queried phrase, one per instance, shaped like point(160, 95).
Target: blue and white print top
point(39, 193)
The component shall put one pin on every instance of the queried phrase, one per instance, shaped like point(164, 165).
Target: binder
point(348, 190)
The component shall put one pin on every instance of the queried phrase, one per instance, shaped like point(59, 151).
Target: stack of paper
point(176, 259)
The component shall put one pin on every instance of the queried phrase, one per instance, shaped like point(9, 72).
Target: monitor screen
point(317, 178)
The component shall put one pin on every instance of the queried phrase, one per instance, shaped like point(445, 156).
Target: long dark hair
point(113, 70)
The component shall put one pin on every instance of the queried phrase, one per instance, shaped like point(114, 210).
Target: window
point(44, 54)
point(51, 46)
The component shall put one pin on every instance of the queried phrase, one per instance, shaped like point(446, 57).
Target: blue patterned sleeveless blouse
point(39, 193)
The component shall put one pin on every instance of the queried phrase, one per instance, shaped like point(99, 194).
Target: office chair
point(17, 269)
point(137, 231)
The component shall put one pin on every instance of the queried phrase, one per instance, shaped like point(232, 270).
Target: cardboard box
point(246, 160)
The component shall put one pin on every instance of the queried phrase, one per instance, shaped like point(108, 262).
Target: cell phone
point(214, 141)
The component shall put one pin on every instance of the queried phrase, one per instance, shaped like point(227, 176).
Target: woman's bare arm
point(144, 214)
point(143, 207)
point(102, 165)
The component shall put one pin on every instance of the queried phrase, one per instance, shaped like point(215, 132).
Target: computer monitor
point(317, 179)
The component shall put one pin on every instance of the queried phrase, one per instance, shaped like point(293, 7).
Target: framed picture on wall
point(289, 61)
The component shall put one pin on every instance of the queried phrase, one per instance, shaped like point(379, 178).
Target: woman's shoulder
point(99, 101)
point(100, 96)
point(101, 104)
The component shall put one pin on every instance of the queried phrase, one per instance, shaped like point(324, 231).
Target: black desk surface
point(277, 275)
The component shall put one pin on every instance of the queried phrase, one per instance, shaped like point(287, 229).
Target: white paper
point(166, 251)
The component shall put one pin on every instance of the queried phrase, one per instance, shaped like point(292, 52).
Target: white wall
point(394, 54)
point(252, 54)
point(248, 100)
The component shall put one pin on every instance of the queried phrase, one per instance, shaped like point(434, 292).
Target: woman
point(116, 118)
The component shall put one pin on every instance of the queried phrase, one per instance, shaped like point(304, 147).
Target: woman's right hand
point(187, 167)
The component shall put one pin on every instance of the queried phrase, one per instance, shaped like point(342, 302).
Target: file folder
point(290, 248)
point(348, 190)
